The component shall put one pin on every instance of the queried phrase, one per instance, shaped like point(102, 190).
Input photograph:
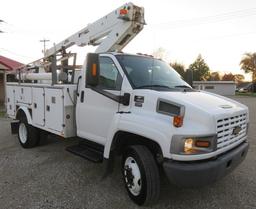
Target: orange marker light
point(123, 11)
point(94, 70)
point(178, 121)
point(202, 144)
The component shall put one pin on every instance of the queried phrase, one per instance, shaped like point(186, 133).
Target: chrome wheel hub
point(132, 176)
point(23, 133)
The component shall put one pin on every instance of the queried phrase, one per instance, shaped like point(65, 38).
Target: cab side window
point(110, 77)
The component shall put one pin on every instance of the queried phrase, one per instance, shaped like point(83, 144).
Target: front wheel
point(27, 134)
point(141, 175)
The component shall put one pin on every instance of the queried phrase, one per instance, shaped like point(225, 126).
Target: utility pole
point(44, 41)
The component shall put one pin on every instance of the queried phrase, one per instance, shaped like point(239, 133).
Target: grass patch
point(2, 114)
point(250, 94)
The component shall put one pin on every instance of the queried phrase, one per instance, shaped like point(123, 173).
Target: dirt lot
point(49, 177)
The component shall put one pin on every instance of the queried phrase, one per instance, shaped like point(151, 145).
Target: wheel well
point(20, 114)
point(123, 139)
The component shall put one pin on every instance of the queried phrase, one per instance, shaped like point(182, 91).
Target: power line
point(16, 54)
point(208, 38)
point(208, 19)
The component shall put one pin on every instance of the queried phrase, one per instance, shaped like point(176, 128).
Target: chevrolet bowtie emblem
point(225, 106)
point(236, 130)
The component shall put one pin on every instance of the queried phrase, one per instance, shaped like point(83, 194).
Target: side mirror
point(190, 77)
point(92, 69)
point(125, 99)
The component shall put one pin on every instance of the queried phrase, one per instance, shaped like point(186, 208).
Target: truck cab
point(197, 137)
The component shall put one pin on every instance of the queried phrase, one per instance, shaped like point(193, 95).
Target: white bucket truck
point(135, 106)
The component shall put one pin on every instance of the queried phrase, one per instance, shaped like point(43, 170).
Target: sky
point(220, 30)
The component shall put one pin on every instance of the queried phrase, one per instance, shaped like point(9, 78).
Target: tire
point(28, 135)
point(141, 175)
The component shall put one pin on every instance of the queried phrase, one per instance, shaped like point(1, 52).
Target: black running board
point(88, 151)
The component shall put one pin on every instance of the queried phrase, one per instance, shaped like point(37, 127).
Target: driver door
point(96, 112)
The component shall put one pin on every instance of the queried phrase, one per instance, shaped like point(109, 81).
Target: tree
point(201, 71)
point(215, 76)
point(228, 77)
point(160, 53)
point(248, 64)
point(180, 68)
point(239, 78)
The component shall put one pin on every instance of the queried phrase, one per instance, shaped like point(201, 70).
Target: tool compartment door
point(54, 109)
point(38, 107)
point(23, 95)
point(10, 94)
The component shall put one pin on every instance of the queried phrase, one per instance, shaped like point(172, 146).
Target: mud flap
point(14, 127)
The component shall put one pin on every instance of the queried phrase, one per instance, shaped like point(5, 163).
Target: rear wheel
point(27, 134)
point(141, 175)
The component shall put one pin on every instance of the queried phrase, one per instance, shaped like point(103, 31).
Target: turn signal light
point(94, 70)
point(204, 144)
point(178, 121)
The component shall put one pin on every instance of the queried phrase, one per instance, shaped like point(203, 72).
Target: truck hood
point(205, 101)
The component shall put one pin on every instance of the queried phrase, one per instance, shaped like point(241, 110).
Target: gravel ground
point(49, 177)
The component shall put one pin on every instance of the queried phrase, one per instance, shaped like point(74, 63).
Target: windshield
point(147, 72)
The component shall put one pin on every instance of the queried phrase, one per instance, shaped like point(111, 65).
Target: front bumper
point(194, 174)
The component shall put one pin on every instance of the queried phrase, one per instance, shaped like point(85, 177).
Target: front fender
point(141, 130)
point(26, 112)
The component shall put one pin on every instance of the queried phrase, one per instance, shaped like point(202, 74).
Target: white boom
point(112, 32)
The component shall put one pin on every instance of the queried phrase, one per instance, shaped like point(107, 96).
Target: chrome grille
point(225, 130)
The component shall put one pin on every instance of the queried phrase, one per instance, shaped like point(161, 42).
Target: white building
point(226, 88)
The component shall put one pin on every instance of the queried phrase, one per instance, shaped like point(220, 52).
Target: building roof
point(243, 84)
point(9, 63)
point(213, 82)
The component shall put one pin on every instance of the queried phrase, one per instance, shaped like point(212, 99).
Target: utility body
point(135, 106)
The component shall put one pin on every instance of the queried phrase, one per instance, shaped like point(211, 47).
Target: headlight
point(193, 145)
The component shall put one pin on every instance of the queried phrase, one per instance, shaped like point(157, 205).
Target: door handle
point(82, 97)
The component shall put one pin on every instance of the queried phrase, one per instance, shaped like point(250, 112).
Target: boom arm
point(112, 32)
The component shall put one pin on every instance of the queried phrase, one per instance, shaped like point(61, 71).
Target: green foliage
point(180, 68)
point(2, 114)
point(248, 64)
point(214, 76)
point(251, 94)
point(201, 71)
point(239, 78)
point(228, 77)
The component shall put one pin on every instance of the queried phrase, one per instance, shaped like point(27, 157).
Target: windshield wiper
point(156, 86)
point(183, 86)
